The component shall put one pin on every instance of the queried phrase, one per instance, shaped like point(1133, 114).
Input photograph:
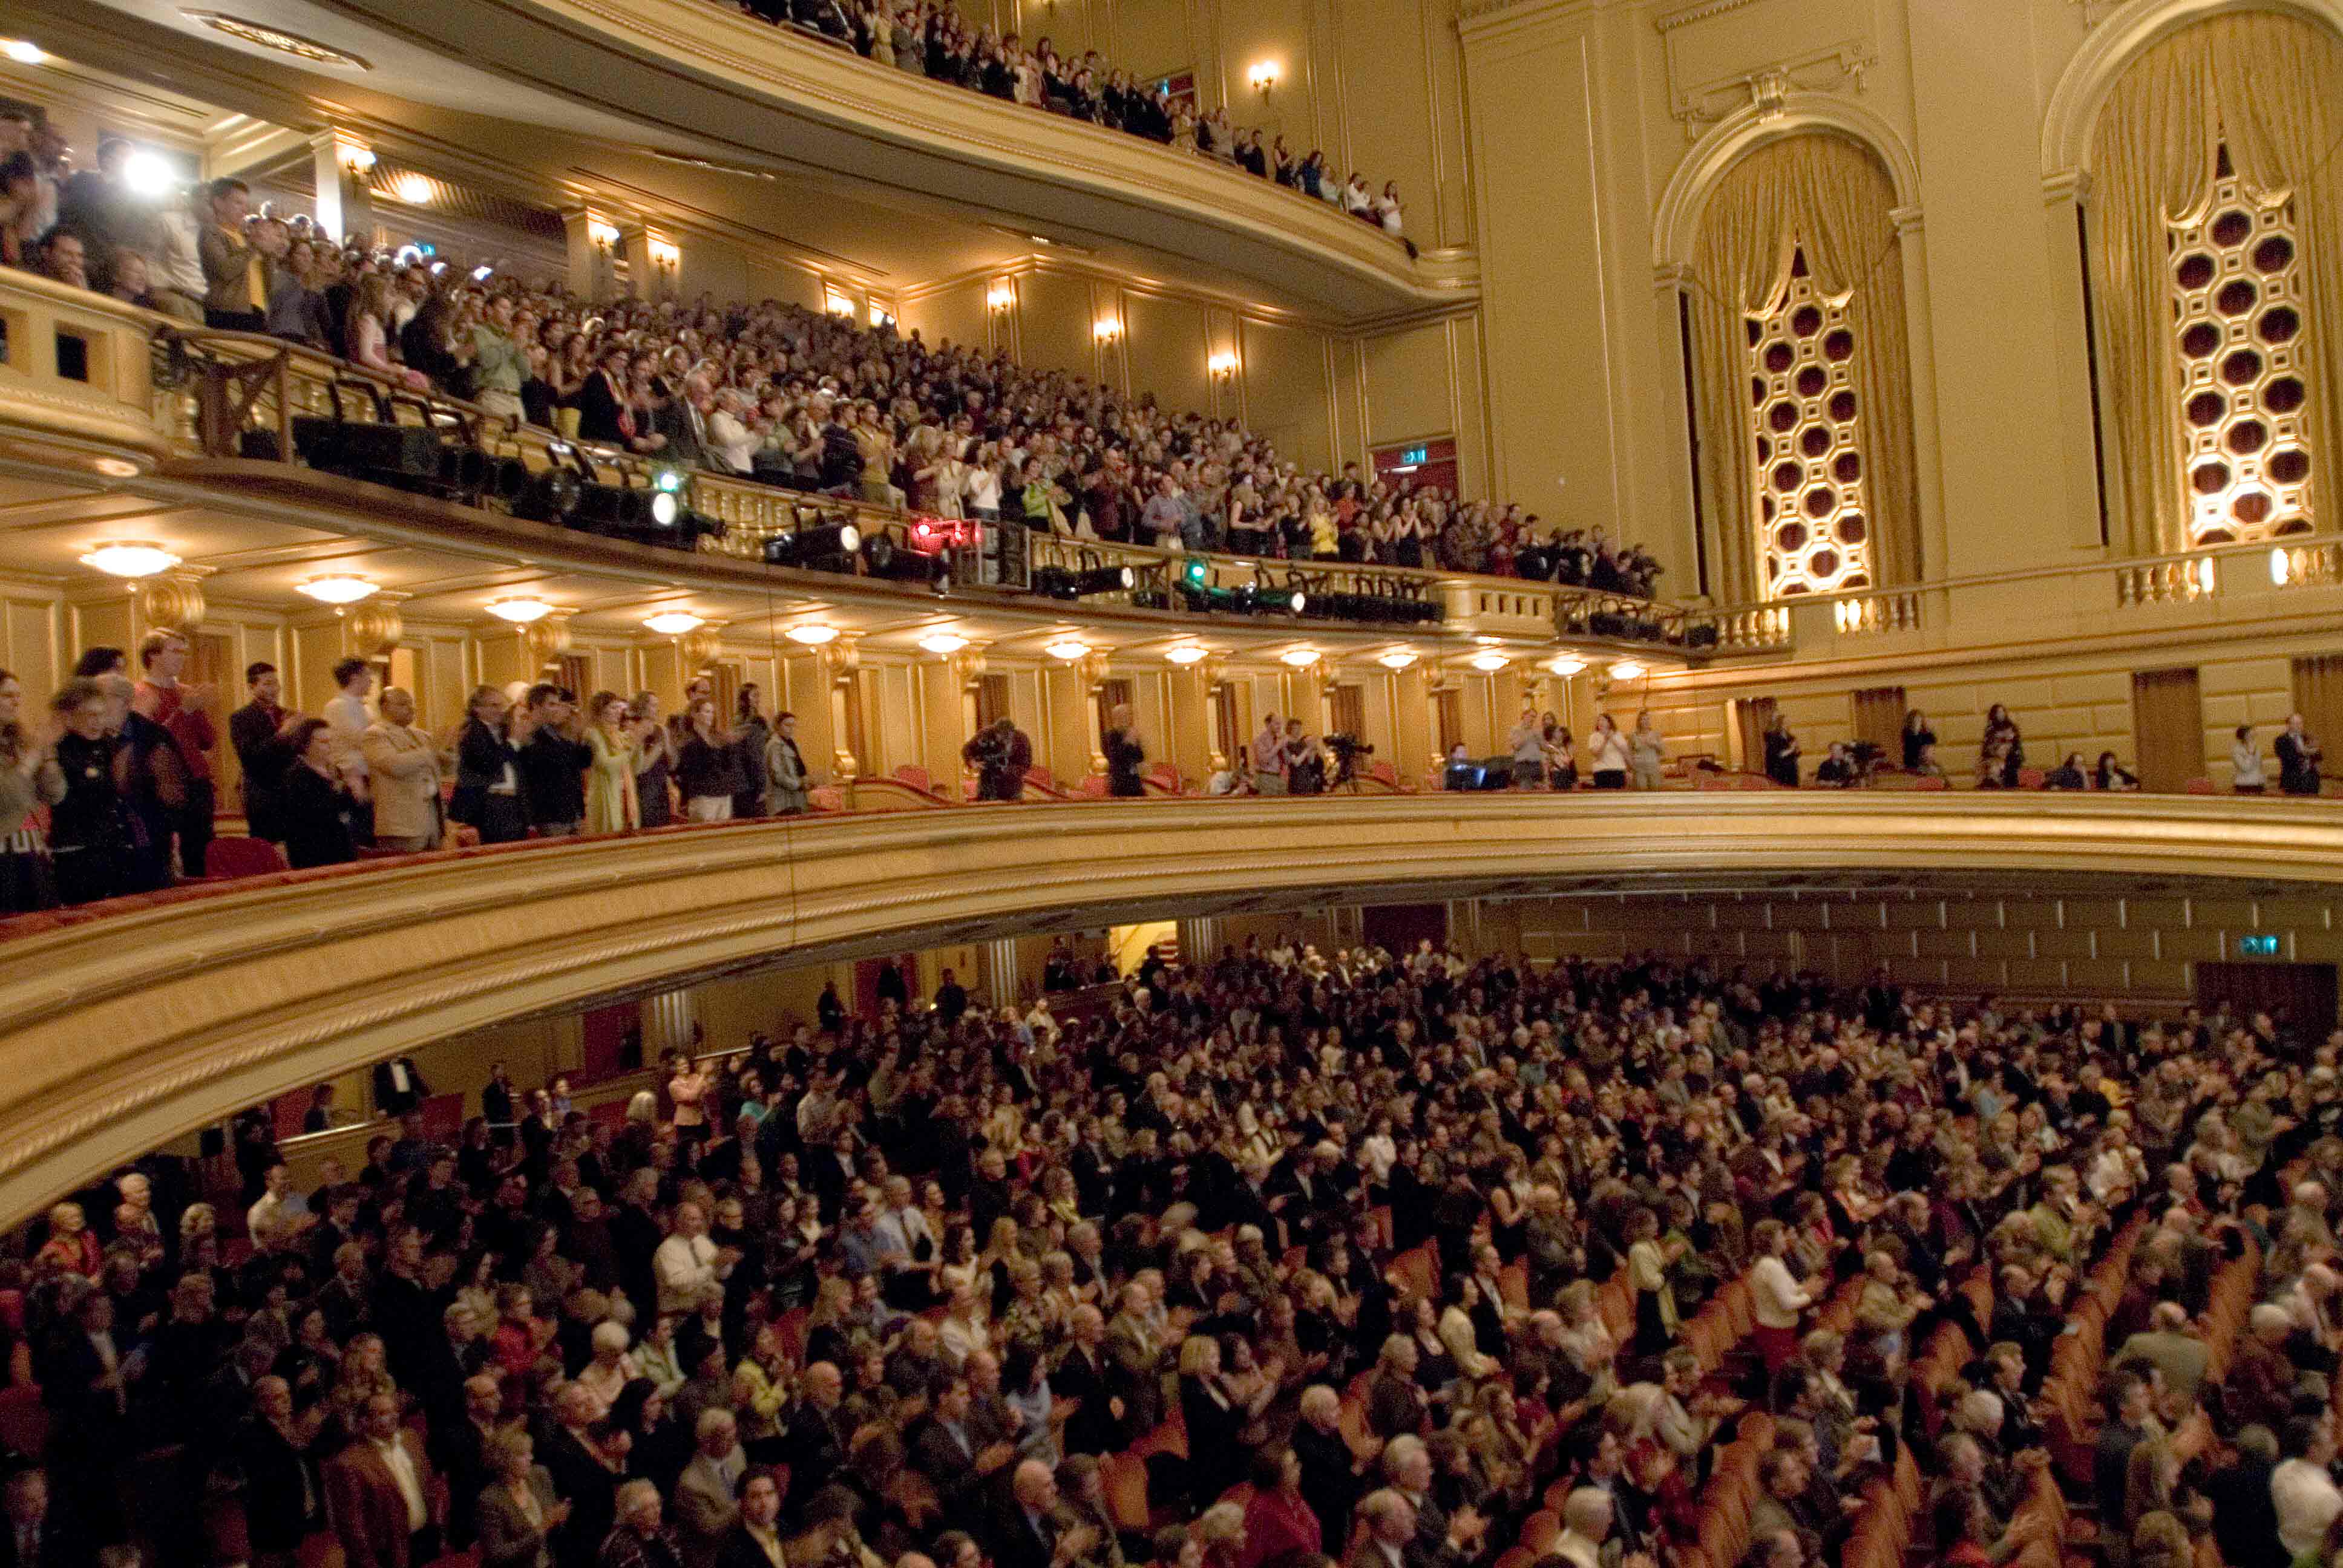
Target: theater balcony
point(699, 81)
point(130, 1024)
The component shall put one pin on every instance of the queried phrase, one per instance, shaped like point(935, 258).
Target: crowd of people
point(770, 393)
point(1306, 1250)
point(113, 792)
point(935, 41)
point(2001, 760)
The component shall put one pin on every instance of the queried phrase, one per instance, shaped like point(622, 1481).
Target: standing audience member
point(490, 795)
point(317, 814)
point(553, 763)
point(402, 764)
point(253, 731)
point(185, 711)
point(2299, 757)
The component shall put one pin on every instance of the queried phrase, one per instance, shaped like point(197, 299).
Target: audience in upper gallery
point(920, 1285)
point(783, 395)
point(935, 41)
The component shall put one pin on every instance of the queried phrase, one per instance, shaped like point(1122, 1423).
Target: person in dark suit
point(31, 1540)
point(317, 817)
point(518, 1509)
point(489, 796)
point(813, 1443)
point(284, 1487)
point(398, 1087)
point(602, 412)
point(461, 1448)
point(1080, 1378)
point(1034, 1529)
point(2299, 757)
point(252, 730)
point(754, 1539)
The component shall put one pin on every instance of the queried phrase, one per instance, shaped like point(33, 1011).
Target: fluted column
point(344, 202)
point(1414, 739)
point(945, 717)
point(667, 1023)
point(998, 957)
point(1200, 940)
point(1190, 739)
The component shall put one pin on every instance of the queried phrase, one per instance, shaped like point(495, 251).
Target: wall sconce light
point(664, 252)
point(415, 190)
point(1261, 77)
point(356, 157)
point(1397, 659)
point(603, 233)
point(840, 304)
point(673, 622)
point(1067, 650)
point(24, 51)
point(1106, 330)
point(1223, 365)
point(2281, 567)
point(1566, 665)
point(1185, 655)
point(1001, 296)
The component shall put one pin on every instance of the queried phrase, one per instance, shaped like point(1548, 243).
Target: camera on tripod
point(1347, 750)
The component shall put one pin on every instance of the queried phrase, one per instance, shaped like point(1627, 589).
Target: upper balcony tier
point(699, 79)
point(106, 436)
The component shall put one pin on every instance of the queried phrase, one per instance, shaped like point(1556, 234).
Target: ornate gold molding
point(238, 996)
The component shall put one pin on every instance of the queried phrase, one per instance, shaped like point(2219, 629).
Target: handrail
point(245, 385)
point(119, 1034)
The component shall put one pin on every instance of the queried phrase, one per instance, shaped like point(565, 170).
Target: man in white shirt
point(278, 1212)
point(375, 1493)
point(2303, 1492)
point(347, 719)
point(688, 1261)
point(1586, 1524)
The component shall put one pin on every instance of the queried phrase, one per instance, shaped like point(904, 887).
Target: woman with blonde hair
point(72, 1246)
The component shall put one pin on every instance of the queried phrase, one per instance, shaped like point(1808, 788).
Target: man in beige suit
point(404, 764)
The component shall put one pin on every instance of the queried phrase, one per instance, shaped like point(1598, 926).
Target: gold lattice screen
point(1813, 535)
point(2237, 317)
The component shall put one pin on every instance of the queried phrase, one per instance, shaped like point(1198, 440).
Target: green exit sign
point(1414, 456)
point(2257, 947)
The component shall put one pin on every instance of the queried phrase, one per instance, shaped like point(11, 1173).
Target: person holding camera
point(1000, 754)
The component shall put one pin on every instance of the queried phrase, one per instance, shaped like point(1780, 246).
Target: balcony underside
point(247, 993)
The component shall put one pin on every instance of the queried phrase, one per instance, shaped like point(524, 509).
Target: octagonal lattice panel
point(2238, 326)
point(1814, 530)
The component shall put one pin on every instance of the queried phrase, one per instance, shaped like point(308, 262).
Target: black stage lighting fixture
point(885, 557)
point(828, 546)
point(548, 497)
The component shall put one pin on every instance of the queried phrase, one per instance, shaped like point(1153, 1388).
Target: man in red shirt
point(185, 711)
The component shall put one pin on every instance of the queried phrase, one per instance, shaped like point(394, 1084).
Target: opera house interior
point(779, 784)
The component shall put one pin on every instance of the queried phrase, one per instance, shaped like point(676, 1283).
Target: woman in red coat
point(1277, 1521)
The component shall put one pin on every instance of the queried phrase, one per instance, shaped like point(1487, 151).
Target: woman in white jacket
point(1775, 1297)
point(2245, 759)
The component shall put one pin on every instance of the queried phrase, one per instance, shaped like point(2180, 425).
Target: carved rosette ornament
point(374, 629)
point(176, 602)
point(542, 642)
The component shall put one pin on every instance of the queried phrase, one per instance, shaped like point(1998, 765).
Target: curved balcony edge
point(124, 1032)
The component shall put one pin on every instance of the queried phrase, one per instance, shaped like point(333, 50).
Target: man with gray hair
point(1585, 1525)
point(639, 1540)
point(2260, 1384)
point(706, 1505)
point(1388, 1520)
point(2168, 1346)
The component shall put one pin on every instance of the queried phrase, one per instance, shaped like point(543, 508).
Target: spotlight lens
point(1296, 600)
point(663, 507)
point(850, 538)
point(1199, 572)
point(146, 175)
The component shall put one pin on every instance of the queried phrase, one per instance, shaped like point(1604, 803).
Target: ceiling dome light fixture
point(1298, 658)
point(943, 644)
point(1491, 661)
point(1068, 650)
point(1185, 655)
point(24, 51)
point(130, 559)
point(260, 35)
point(1565, 665)
point(1397, 659)
point(1629, 669)
point(812, 633)
point(340, 588)
point(115, 468)
point(673, 622)
point(520, 610)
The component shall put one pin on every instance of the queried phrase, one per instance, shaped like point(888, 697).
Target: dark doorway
point(2299, 995)
point(1397, 928)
